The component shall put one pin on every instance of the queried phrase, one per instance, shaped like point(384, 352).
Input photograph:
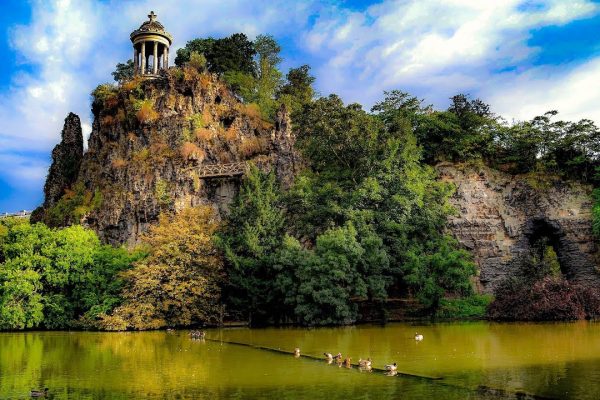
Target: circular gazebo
point(150, 47)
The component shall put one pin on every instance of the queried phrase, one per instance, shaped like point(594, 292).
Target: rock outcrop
point(151, 140)
point(66, 161)
point(499, 217)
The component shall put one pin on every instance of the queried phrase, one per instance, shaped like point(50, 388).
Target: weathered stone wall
point(142, 166)
point(499, 215)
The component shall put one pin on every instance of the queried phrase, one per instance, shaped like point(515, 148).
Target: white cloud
point(432, 48)
point(571, 92)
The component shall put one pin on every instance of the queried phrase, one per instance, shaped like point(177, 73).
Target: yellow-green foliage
point(141, 155)
point(145, 111)
point(104, 91)
point(197, 61)
point(161, 192)
point(186, 134)
point(74, 204)
point(177, 74)
point(197, 121)
point(196, 182)
point(178, 284)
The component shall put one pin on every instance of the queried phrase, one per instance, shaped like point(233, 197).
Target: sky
point(522, 57)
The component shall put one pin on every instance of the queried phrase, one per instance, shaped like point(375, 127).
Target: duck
point(39, 393)
point(365, 364)
point(347, 362)
point(418, 337)
point(391, 367)
point(297, 352)
point(197, 334)
point(338, 356)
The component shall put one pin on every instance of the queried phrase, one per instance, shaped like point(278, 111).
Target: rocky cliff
point(66, 161)
point(152, 142)
point(500, 216)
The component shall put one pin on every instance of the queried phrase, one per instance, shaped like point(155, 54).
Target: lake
point(560, 360)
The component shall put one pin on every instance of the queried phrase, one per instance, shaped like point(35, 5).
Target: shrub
point(161, 192)
point(118, 163)
point(205, 81)
point(108, 120)
point(141, 155)
point(197, 121)
point(230, 135)
point(189, 151)
point(197, 61)
point(250, 147)
point(548, 299)
point(104, 91)
point(190, 74)
point(145, 112)
point(203, 134)
point(177, 74)
point(474, 306)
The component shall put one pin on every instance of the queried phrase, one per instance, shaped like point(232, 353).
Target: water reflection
point(554, 360)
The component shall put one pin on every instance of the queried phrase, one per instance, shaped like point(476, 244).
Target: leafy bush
point(189, 151)
point(57, 278)
point(145, 111)
point(474, 306)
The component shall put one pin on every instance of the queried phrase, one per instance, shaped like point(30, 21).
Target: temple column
point(143, 71)
point(155, 61)
point(166, 57)
point(136, 60)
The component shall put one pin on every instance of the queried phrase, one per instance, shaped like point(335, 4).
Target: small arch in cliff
point(227, 121)
point(547, 243)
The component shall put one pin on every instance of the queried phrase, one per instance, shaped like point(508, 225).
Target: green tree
point(233, 53)
point(48, 276)
point(123, 72)
point(178, 284)
point(297, 89)
point(252, 235)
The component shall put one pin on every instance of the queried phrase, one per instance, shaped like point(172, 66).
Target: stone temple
point(151, 44)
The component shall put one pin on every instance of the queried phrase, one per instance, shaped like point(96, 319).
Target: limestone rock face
point(151, 140)
point(499, 217)
point(66, 161)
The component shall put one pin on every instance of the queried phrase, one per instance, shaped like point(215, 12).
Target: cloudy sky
point(522, 57)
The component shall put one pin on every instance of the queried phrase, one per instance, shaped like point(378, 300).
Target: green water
point(551, 360)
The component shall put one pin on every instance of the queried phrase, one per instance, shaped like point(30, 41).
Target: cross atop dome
point(151, 44)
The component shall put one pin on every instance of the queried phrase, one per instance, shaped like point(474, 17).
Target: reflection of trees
point(547, 359)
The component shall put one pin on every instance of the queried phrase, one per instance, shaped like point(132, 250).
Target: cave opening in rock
point(547, 252)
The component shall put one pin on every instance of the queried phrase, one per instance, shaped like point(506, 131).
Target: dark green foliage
point(123, 72)
point(233, 53)
point(253, 233)
point(369, 216)
point(596, 213)
point(56, 277)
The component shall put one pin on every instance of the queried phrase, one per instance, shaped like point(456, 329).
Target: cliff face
point(66, 161)
point(151, 141)
point(500, 216)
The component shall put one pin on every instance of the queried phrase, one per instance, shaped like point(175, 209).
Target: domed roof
point(152, 26)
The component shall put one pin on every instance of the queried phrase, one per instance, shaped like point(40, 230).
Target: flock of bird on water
point(366, 365)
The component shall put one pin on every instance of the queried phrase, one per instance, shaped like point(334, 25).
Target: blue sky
point(522, 57)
